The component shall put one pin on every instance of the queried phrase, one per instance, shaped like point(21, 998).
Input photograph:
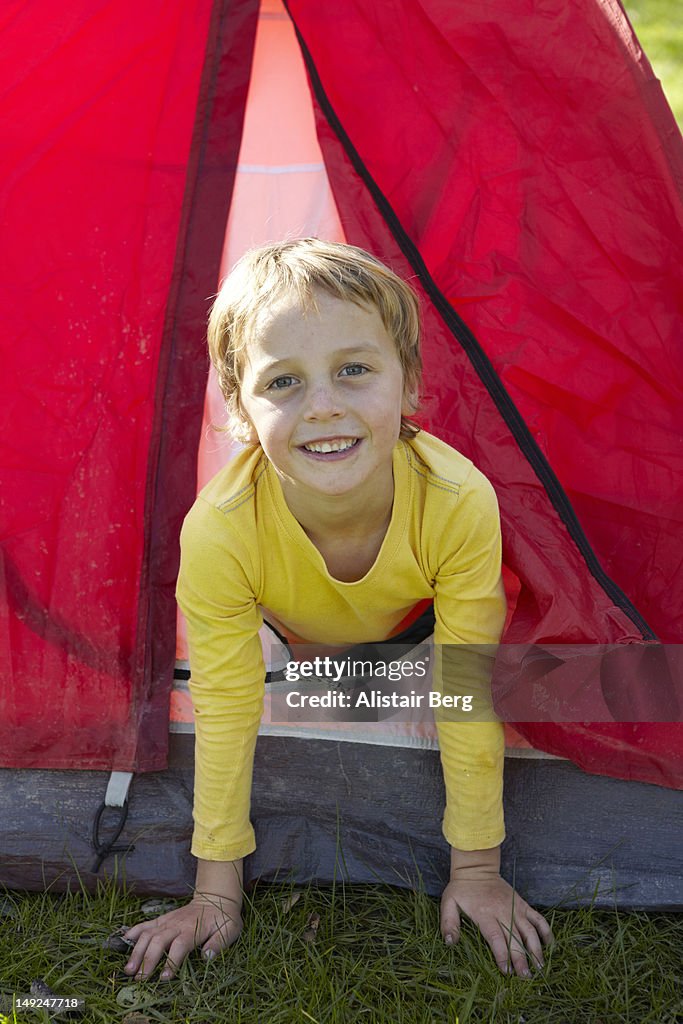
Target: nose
point(322, 402)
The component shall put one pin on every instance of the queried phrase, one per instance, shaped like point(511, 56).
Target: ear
point(242, 427)
point(246, 434)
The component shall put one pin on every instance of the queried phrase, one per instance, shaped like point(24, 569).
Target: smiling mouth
point(342, 444)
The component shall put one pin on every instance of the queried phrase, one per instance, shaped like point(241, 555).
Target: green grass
point(659, 27)
point(378, 957)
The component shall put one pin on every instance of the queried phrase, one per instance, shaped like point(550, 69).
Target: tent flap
point(532, 194)
point(98, 186)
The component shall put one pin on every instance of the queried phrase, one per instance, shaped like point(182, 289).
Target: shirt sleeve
point(470, 609)
point(217, 595)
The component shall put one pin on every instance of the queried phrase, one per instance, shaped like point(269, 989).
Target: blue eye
point(354, 370)
point(280, 383)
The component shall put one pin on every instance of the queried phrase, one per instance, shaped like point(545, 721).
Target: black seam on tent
point(143, 654)
point(206, 174)
point(478, 358)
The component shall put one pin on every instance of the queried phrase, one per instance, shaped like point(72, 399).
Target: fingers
point(224, 936)
point(518, 963)
point(508, 948)
point(179, 949)
point(176, 935)
point(134, 933)
point(515, 932)
point(175, 932)
point(532, 942)
point(523, 938)
point(450, 921)
point(541, 926)
point(147, 952)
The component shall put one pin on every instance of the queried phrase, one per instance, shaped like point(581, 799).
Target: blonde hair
point(264, 275)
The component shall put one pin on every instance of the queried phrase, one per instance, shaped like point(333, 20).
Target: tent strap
point(116, 798)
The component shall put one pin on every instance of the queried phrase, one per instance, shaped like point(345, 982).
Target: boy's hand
point(209, 922)
point(511, 927)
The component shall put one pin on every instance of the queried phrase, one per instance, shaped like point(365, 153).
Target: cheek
point(395, 403)
point(272, 427)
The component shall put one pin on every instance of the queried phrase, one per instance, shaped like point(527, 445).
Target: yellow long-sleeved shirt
point(243, 552)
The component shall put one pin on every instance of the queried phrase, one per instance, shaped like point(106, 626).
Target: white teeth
point(330, 446)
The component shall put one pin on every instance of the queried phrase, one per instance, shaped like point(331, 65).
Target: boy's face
point(324, 393)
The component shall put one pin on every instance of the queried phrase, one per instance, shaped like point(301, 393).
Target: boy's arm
point(216, 592)
point(470, 610)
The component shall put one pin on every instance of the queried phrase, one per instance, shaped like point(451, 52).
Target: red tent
point(519, 165)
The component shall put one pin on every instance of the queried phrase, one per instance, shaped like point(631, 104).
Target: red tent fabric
point(525, 171)
point(107, 116)
point(521, 168)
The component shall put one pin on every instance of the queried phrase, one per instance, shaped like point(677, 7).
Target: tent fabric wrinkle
point(530, 241)
point(92, 203)
point(181, 387)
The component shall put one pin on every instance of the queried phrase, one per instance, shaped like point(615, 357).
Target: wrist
point(219, 884)
point(476, 865)
point(230, 905)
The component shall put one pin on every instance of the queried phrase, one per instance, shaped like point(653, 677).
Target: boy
point(336, 520)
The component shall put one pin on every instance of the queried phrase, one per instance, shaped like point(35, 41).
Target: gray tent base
point(336, 810)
